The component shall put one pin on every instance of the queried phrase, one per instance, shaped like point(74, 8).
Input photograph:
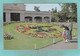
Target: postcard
point(32, 28)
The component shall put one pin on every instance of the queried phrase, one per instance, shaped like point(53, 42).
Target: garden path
point(72, 44)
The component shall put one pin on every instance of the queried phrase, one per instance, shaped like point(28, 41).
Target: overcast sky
point(43, 7)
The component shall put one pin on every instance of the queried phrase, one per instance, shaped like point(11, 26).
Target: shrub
point(7, 36)
point(9, 22)
point(5, 23)
point(13, 21)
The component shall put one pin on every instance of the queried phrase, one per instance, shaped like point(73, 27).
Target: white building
point(17, 12)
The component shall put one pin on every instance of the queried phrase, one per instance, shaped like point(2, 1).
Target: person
point(68, 35)
point(64, 34)
point(70, 29)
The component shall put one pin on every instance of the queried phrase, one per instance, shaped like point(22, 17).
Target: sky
point(43, 7)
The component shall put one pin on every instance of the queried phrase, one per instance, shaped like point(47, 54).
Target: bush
point(5, 23)
point(7, 36)
point(10, 22)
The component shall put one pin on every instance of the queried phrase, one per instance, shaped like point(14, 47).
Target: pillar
point(22, 17)
point(8, 16)
point(50, 19)
point(32, 19)
point(42, 19)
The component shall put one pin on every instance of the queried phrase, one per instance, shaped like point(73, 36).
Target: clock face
point(39, 31)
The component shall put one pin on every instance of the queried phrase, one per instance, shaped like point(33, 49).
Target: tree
point(74, 11)
point(55, 15)
point(36, 8)
point(55, 10)
point(69, 11)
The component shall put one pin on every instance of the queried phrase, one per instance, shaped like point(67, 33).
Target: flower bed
point(38, 31)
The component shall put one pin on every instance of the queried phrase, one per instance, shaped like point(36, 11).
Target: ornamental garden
point(28, 35)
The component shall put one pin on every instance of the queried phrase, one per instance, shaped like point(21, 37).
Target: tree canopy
point(36, 8)
point(69, 11)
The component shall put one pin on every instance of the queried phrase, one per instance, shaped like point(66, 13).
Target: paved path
point(62, 45)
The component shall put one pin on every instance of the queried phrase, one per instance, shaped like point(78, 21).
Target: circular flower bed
point(39, 31)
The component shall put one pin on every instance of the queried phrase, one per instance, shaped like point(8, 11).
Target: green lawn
point(24, 42)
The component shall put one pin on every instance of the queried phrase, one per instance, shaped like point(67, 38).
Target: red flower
point(26, 28)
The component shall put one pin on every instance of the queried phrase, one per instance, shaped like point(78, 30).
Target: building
point(17, 12)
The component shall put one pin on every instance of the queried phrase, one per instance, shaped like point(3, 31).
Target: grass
point(23, 42)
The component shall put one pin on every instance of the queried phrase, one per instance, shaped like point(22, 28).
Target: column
point(32, 19)
point(42, 19)
point(50, 19)
point(8, 16)
point(22, 17)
